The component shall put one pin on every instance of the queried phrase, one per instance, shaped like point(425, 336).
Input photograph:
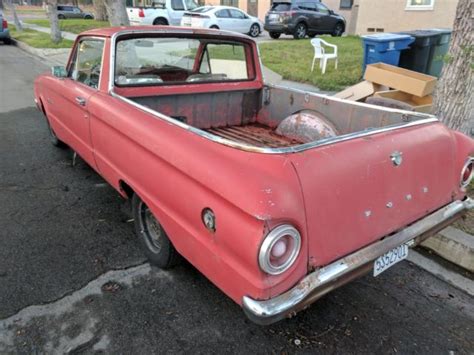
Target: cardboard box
point(419, 104)
point(401, 79)
point(359, 91)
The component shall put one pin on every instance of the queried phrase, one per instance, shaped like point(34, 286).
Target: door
point(327, 22)
point(224, 20)
point(176, 12)
point(240, 21)
point(73, 95)
point(312, 15)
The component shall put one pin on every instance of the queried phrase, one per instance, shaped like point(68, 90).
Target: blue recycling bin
point(384, 48)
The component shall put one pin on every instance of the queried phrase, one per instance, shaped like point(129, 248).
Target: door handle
point(81, 101)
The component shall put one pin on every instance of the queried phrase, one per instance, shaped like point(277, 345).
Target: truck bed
point(254, 134)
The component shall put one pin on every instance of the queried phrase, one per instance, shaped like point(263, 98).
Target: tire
point(338, 30)
point(61, 17)
point(214, 27)
point(275, 35)
point(88, 17)
point(254, 30)
point(300, 31)
point(160, 22)
point(7, 41)
point(153, 239)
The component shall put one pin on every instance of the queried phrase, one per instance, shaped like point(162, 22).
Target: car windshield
point(281, 6)
point(203, 9)
point(170, 60)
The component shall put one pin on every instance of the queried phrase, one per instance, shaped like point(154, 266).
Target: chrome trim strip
point(294, 149)
point(322, 281)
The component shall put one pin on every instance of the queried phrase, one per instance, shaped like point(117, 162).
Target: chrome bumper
point(328, 278)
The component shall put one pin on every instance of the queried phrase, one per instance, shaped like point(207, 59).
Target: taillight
point(4, 24)
point(287, 13)
point(141, 13)
point(279, 249)
point(467, 173)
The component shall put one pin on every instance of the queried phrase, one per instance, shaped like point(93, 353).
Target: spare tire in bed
point(306, 126)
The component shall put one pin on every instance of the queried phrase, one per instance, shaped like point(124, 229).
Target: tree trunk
point(117, 12)
point(100, 12)
point(16, 20)
point(453, 102)
point(53, 19)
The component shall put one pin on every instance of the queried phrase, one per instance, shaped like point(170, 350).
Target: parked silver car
point(67, 11)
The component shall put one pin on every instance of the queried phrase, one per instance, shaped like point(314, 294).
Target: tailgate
point(354, 194)
point(132, 13)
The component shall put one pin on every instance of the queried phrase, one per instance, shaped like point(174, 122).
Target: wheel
point(254, 30)
point(214, 27)
point(53, 138)
point(88, 17)
point(61, 17)
point(152, 236)
point(300, 31)
point(7, 41)
point(275, 35)
point(338, 30)
point(160, 22)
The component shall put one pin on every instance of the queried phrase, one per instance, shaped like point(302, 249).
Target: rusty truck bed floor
point(254, 134)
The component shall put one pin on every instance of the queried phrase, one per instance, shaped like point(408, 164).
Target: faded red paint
point(324, 192)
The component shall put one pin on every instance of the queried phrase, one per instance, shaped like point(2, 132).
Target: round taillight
point(279, 249)
point(467, 173)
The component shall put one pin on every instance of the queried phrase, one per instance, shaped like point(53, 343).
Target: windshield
point(170, 60)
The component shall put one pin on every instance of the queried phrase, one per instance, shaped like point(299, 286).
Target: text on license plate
point(390, 258)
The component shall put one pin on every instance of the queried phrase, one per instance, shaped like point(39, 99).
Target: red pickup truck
point(278, 196)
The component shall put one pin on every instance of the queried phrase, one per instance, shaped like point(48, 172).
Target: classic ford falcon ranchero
point(278, 196)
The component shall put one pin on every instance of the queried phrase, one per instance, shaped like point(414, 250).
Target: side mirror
point(59, 71)
point(331, 12)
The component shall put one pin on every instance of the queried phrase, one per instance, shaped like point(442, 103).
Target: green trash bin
point(438, 51)
point(417, 56)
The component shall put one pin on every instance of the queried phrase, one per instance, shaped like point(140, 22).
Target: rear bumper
point(328, 278)
point(279, 28)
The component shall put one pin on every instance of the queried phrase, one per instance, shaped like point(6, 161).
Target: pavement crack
point(109, 275)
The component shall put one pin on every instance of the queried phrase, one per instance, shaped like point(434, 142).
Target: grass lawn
point(38, 39)
point(72, 25)
point(292, 59)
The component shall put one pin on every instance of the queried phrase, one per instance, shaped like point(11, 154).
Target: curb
point(40, 53)
point(453, 245)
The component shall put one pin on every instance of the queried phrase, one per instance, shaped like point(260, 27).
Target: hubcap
point(301, 31)
point(338, 29)
point(151, 228)
point(254, 30)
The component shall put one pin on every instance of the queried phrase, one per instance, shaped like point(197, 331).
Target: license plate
point(390, 258)
point(273, 16)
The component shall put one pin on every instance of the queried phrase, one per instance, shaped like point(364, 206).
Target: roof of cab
point(110, 31)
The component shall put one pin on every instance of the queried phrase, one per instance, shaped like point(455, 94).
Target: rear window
point(281, 6)
point(170, 61)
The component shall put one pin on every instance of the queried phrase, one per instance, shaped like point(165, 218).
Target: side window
point(87, 63)
point(236, 14)
point(60, 8)
point(177, 5)
point(307, 6)
point(322, 9)
point(222, 14)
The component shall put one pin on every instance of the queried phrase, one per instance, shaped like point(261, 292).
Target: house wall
point(392, 16)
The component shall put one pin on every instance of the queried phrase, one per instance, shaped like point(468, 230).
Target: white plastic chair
point(320, 53)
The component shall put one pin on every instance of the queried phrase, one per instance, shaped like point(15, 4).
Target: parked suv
point(301, 18)
point(66, 11)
